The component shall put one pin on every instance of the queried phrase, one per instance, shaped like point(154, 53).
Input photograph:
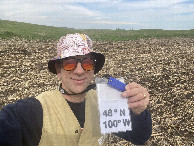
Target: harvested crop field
point(165, 66)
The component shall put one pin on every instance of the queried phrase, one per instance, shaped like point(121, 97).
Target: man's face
point(77, 80)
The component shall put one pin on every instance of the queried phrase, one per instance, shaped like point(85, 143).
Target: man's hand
point(138, 97)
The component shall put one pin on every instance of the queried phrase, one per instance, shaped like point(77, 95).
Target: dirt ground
point(164, 66)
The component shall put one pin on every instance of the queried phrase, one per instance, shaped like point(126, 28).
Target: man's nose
point(79, 69)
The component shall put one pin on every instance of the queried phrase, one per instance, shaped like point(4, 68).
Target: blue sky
point(102, 14)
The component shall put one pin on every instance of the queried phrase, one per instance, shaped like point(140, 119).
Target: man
point(69, 115)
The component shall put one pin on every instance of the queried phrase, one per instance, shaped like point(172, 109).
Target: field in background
point(163, 64)
point(9, 29)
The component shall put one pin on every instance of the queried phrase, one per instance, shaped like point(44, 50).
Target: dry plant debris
point(164, 66)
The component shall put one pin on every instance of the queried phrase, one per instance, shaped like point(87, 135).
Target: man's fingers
point(138, 97)
point(141, 103)
point(134, 92)
point(132, 86)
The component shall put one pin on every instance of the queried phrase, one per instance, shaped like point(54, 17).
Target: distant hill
point(10, 29)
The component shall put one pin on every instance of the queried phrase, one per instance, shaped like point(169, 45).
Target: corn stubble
point(164, 66)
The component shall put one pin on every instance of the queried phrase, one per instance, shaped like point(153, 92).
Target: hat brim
point(100, 59)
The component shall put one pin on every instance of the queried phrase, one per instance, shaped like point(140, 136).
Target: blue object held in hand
point(116, 84)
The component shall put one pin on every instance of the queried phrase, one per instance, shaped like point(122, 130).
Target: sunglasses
point(71, 63)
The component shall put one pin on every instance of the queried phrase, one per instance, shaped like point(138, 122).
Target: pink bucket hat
point(73, 45)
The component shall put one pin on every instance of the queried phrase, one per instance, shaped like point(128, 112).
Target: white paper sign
point(113, 110)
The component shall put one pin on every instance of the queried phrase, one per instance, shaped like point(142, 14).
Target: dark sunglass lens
point(69, 64)
point(88, 64)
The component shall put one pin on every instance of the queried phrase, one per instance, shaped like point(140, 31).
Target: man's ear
point(58, 70)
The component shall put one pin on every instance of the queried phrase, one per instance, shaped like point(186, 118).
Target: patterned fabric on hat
point(72, 45)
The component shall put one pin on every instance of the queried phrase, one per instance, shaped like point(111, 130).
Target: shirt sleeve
point(21, 123)
point(141, 129)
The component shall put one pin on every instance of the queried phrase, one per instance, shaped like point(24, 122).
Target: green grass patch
point(10, 29)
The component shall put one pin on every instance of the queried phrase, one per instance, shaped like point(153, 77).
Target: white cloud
point(44, 13)
point(146, 4)
point(99, 13)
point(71, 1)
point(79, 11)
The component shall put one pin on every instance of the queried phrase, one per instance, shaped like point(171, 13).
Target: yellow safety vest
point(61, 127)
